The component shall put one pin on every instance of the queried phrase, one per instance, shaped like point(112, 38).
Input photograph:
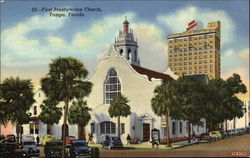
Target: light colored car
point(47, 138)
point(27, 138)
point(30, 147)
point(215, 135)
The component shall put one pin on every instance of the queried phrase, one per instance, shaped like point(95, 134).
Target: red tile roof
point(152, 74)
point(34, 118)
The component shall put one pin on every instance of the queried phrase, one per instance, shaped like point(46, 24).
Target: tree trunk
point(167, 131)
point(226, 125)
point(119, 131)
point(17, 132)
point(66, 101)
point(189, 132)
point(79, 131)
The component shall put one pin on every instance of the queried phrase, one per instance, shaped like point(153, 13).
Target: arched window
point(107, 127)
point(112, 86)
point(121, 51)
point(129, 53)
point(135, 59)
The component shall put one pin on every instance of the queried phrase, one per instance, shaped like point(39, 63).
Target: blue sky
point(29, 40)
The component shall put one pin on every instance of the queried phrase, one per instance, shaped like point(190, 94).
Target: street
point(238, 146)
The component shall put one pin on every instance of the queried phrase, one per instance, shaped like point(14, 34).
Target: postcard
point(125, 78)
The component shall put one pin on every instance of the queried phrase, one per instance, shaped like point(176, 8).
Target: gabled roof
point(152, 74)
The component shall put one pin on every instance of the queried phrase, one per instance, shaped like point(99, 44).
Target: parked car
point(27, 138)
point(206, 137)
point(53, 149)
point(47, 138)
point(10, 138)
point(247, 130)
point(12, 150)
point(112, 142)
point(69, 139)
point(215, 135)
point(30, 147)
point(235, 132)
point(79, 148)
point(223, 134)
point(230, 133)
point(241, 131)
point(2, 138)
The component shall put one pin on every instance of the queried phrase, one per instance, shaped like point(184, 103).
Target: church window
point(36, 128)
point(180, 127)
point(92, 127)
point(121, 51)
point(129, 53)
point(173, 128)
point(122, 128)
point(107, 127)
point(35, 110)
point(112, 86)
point(31, 128)
point(135, 55)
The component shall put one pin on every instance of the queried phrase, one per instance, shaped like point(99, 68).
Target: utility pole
point(245, 114)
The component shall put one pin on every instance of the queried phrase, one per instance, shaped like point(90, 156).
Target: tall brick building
point(195, 51)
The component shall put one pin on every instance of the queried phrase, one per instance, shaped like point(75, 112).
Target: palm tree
point(79, 114)
point(17, 98)
point(163, 103)
point(64, 82)
point(119, 108)
point(50, 113)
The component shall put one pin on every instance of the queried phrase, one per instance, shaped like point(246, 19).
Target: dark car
point(112, 142)
point(10, 138)
point(53, 149)
point(223, 134)
point(247, 130)
point(80, 148)
point(11, 150)
point(205, 137)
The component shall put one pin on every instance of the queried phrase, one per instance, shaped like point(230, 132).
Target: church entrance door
point(146, 131)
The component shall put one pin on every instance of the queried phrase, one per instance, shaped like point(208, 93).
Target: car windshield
point(79, 144)
point(29, 143)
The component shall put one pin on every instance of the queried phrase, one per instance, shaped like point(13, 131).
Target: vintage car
point(53, 149)
point(12, 150)
point(112, 142)
point(205, 137)
point(69, 139)
point(10, 138)
point(79, 148)
point(47, 138)
point(30, 147)
point(215, 135)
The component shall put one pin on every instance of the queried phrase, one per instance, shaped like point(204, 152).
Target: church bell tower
point(126, 45)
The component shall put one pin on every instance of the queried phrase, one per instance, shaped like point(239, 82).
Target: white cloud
point(15, 40)
point(152, 46)
point(178, 20)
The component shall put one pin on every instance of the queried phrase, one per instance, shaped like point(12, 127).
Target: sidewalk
point(184, 143)
point(148, 145)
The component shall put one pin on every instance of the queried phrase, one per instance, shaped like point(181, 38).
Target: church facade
point(119, 71)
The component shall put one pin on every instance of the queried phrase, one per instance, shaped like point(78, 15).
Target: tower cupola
point(125, 25)
point(126, 45)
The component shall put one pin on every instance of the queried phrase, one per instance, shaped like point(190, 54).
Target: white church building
point(118, 72)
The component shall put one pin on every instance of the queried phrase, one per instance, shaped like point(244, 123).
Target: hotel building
point(195, 51)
